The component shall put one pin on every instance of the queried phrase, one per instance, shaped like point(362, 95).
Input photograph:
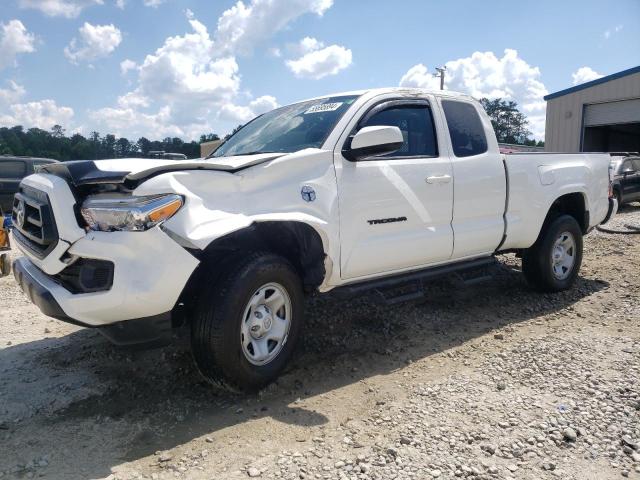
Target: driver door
point(396, 209)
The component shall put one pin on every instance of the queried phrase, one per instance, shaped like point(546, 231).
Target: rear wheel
point(246, 325)
point(553, 262)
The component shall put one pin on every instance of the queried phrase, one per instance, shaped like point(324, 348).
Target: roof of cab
point(381, 91)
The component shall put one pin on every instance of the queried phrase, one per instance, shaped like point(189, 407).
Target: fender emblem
point(308, 193)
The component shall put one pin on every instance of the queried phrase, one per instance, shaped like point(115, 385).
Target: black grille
point(32, 217)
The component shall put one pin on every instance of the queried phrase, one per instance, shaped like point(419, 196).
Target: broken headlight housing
point(110, 213)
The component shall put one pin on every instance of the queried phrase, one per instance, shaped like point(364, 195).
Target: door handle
point(438, 179)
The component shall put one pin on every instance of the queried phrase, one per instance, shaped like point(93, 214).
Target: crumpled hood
point(134, 170)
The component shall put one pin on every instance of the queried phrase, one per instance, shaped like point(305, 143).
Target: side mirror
point(373, 141)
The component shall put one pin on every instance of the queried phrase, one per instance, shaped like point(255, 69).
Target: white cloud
point(121, 4)
point(96, 41)
point(153, 3)
point(14, 40)
point(127, 65)
point(185, 74)
point(184, 81)
point(132, 123)
point(42, 114)
point(12, 94)
point(585, 74)
point(483, 74)
point(612, 31)
point(133, 100)
point(420, 77)
point(306, 45)
point(243, 114)
point(192, 82)
point(59, 8)
point(318, 61)
point(242, 27)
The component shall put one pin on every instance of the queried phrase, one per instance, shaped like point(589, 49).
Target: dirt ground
point(490, 381)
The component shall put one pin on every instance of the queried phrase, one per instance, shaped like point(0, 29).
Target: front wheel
point(246, 325)
point(553, 262)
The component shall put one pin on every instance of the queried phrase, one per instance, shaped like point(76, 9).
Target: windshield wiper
point(256, 152)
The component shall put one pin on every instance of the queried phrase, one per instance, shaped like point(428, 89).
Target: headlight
point(109, 213)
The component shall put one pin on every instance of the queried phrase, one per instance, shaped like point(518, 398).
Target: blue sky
point(205, 66)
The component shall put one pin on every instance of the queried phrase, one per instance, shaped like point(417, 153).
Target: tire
point(548, 268)
point(618, 195)
point(223, 329)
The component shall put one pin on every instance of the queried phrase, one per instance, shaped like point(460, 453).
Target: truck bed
point(536, 179)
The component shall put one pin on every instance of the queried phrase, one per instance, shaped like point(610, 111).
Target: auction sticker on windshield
point(324, 107)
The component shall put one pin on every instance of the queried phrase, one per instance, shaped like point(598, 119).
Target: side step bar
point(418, 278)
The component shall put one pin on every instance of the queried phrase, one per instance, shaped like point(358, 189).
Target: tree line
point(509, 123)
point(54, 143)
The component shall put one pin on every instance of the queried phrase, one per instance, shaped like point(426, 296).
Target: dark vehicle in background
point(161, 154)
point(12, 170)
point(626, 177)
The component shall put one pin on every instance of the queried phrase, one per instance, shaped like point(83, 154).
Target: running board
point(465, 273)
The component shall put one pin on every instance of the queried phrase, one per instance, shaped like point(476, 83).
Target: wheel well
point(570, 204)
point(296, 241)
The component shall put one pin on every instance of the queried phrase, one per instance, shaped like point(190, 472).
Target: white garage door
point(624, 111)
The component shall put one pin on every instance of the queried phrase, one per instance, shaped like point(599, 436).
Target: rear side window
point(465, 128)
point(11, 169)
point(416, 124)
point(628, 166)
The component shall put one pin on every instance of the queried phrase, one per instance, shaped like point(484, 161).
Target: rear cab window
point(14, 169)
point(466, 131)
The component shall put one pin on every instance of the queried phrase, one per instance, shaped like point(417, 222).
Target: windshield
point(288, 129)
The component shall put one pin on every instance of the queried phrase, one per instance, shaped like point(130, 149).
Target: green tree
point(209, 137)
point(123, 148)
point(55, 144)
point(233, 131)
point(57, 131)
point(144, 146)
point(509, 123)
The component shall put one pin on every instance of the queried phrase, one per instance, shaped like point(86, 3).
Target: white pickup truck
point(346, 192)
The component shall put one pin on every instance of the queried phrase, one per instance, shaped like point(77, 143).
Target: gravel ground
point(490, 381)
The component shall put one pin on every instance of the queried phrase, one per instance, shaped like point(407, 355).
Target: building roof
point(593, 83)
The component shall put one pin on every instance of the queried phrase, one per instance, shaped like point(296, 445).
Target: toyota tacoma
point(345, 193)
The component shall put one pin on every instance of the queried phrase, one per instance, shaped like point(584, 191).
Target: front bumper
point(30, 280)
point(150, 331)
point(150, 271)
point(613, 209)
